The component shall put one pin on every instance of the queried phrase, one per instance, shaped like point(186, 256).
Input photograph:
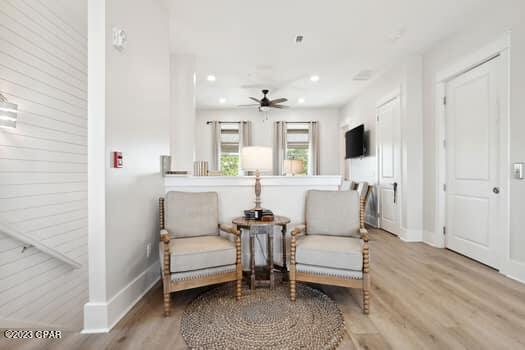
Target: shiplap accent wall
point(43, 162)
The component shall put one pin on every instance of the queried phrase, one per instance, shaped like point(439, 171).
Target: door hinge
point(445, 100)
point(444, 187)
point(444, 230)
point(377, 117)
point(444, 143)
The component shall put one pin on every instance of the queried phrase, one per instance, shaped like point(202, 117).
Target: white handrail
point(22, 237)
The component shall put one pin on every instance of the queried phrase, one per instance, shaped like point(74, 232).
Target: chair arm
point(364, 234)
point(298, 230)
point(230, 229)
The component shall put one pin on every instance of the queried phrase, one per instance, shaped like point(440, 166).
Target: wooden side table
point(264, 227)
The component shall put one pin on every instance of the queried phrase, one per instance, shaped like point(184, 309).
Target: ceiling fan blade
point(254, 99)
point(278, 100)
point(280, 106)
point(248, 106)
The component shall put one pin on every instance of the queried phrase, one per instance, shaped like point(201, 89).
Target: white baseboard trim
point(433, 240)
point(103, 316)
point(410, 235)
point(514, 270)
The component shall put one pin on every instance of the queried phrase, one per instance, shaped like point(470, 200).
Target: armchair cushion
point(330, 252)
point(332, 212)
point(197, 253)
point(192, 214)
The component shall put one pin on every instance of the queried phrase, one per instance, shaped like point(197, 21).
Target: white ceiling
point(245, 42)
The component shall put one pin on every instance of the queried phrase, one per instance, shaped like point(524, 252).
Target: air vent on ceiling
point(299, 39)
point(363, 75)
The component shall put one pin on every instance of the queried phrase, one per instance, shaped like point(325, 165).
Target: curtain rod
point(247, 121)
point(225, 122)
point(310, 121)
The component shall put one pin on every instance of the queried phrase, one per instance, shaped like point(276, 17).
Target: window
point(229, 162)
point(298, 144)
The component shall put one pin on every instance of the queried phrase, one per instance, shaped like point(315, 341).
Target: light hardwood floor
point(422, 298)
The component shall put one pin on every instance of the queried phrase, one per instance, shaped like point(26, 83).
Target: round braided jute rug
point(262, 319)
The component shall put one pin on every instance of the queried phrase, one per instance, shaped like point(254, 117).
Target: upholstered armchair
point(332, 247)
point(192, 251)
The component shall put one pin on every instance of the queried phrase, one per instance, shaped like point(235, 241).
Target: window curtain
point(314, 164)
point(216, 145)
point(279, 147)
point(245, 140)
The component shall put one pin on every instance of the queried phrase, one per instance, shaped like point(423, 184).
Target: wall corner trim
point(411, 235)
point(101, 317)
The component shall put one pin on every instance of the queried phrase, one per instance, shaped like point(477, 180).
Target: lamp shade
point(293, 166)
point(256, 158)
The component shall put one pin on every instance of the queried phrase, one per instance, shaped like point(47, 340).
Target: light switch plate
point(517, 171)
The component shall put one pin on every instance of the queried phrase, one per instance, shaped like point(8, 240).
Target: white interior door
point(389, 157)
point(472, 151)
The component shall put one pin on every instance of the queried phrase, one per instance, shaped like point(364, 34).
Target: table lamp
point(256, 158)
point(293, 166)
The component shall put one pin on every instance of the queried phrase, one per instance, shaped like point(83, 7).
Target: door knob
point(495, 190)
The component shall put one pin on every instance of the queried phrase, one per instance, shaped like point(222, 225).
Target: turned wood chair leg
point(366, 301)
point(167, 304)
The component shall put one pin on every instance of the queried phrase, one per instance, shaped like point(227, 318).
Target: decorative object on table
point(214, 173)
point(8, 113)
point(177, 173)
point(200, 168)
point(293, 167)
point(334, 248)
point(263, 319)
point(256, 227)
point(258, 214)
point(256, 158)
point(193, 254)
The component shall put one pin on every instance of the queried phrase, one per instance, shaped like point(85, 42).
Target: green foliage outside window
point(301, 154)
point(229, 164)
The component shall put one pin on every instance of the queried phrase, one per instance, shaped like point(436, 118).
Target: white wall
point(262, 130)
point(487, 26)
point(362, 110)
point(135, 121)
point(43, 162)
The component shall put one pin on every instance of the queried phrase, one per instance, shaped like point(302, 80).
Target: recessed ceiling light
point(301, 100)
point(222, 100)
point(314, 78)
point(211, 78)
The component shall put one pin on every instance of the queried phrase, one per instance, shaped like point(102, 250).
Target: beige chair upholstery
point(334, 248)
point(192, 214)
point(193, 254)
point(332, 212)
point(332, 252)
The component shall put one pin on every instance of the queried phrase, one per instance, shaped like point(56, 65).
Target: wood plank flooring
point(422, 298)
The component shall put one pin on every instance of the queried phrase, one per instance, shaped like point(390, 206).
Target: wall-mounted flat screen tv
point(355, 142)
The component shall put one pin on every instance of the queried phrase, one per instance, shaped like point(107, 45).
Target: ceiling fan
point(265, 103)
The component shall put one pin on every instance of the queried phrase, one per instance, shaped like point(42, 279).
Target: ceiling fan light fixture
point(315, 78)
point(264, 109)
point(211, 78)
